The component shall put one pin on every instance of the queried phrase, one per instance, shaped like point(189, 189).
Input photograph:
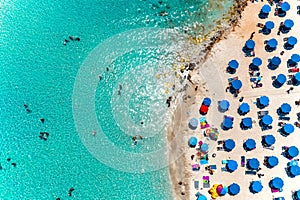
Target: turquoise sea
point(61, 84)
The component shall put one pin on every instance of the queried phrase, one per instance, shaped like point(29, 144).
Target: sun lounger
point(293, 70)
point(220, 142)
point(271, 147)
point(262, 113)
point(250, 172)
point(224, 161)
point(274, 190)
point(196, 184)
point(203, 162)
point(213, 166)
point(220, 148)
point(243, 159)
point(195, 167)
point(223, 169)
point(232, 79)
point(284, 118)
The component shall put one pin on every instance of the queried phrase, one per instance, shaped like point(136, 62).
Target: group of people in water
point(71, 38)
point(135, 138)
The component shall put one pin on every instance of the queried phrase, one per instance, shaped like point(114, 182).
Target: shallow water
point(39, 71)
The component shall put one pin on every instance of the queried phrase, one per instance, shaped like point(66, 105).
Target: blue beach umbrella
point(277, 183)
point(292, 40)
point(269, 140)
point(285, 108)
point(272, 43)
point(253, 163)
point(233, 64)
point(234, 189)
point(281, 79)
point(231, 165)
point(267, 119)
point(244, 108)
point(247, 122)
point(229, 144)
point(193, 141)
point(288, 23)
point(295, 57)
point(266, 8)
point(250, 44)
point(269, 25)
point(227, 123)
point(264, 100)
point(256, 61)
point(206, 101)
point(224, 190)
point(272, 161)
point(256, 186)
point(297, 194)
point(236, 84)
point(285, 6)
point(293, 151)
point(204, 147)
point(224, 104)
point(276, 60)
point(250, 144)
point(294, 170)
point(288, 128)
point(297, 77)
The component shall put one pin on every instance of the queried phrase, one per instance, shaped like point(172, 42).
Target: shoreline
point(180, 177)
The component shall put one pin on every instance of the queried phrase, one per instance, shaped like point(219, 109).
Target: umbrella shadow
point(276, 84)
point(287, 46)
point(269, 49)
point(263, 15)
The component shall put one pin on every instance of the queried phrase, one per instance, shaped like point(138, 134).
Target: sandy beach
point(212, 80)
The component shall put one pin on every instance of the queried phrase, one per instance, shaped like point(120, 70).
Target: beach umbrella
point(244, 108)
point(192, 141)
point(233, 189)
point(269, 140)
point(233, 64)
point(250, 144)
point(276, 61)
point(264, 100)
point(206, 101)
point(267, 119)
point(285, 6)
point(231, 165)
point(247, 122)
point(253, 163)
point(294, 170)
point(236, 84)
point(203, 109)
point(256, 61)
point(227, 123)
point(297, 195)
point(224, 104)
point(292, 40)
point(288, 23)
point(295, 58)
point(229, 144)
point(288, 128)
point(201, 197)
point(269, 25)
point(272, 43)
point(256, 186)
point(297, 77)
point(193, 123)
point(272, 161)
point(266, 8)
point(204, 147)
point(281, 79)
point(224, 191)
point(250, 44)
point(285, 108)
point(293, 151)
point(277, 183)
